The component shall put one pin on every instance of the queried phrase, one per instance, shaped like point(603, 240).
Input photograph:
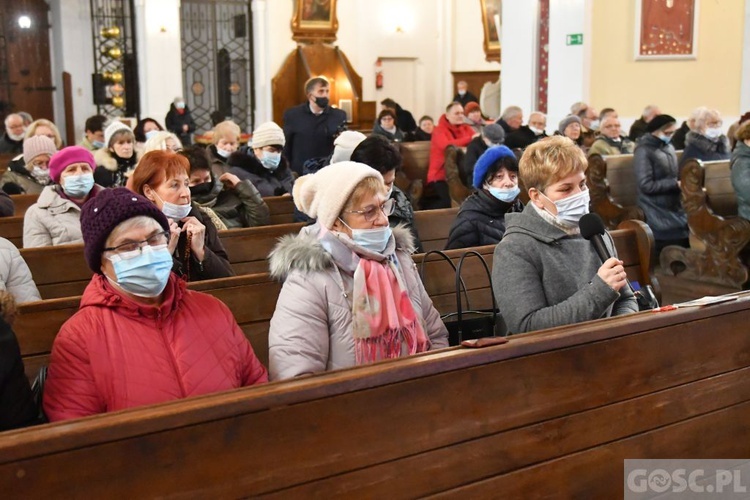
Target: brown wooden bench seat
point(280, 208)
point(718, 236)
point(249, 247)
point(613, 190)
point(550, 414)
point(434, 226)
point(21, 202)
point(252, 298)
point(11, 228)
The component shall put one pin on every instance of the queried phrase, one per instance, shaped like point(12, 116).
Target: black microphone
point(592, 229)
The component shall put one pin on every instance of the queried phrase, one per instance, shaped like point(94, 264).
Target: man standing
point(12, 140)
point(528, 134)
point(311, 127)
point(463, 95)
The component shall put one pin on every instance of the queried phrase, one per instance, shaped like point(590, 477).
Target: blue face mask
point(271, 160)
point(666, 139)
point(374, 240)
point(145, 275)
point(506, 195)
point(78, 186)
point(150, 134)
point(98, 144)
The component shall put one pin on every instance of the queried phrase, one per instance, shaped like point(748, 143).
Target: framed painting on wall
point(492, 22)
point(666, 29)
point(314, 20)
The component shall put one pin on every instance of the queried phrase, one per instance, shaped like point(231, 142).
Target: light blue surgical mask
point(98, 144)
point(145, 275)
point(666, 139)
point(271, 160)
point(374, 240)
point(506, 195)
point(223, 153)
point(150, 134)
point(572, 208)
point(78, 186)
point(172, 210)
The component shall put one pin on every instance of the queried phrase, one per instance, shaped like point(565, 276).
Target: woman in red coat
point(140, 337)
point(450, 131)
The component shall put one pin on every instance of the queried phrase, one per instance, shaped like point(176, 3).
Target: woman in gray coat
point(351, 293)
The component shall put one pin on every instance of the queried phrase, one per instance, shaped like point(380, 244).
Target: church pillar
point(745, 78)
point(518, 55)
point(263, 91)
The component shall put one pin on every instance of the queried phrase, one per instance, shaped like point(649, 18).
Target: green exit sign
point(574, 39)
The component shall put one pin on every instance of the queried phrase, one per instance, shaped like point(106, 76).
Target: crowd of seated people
point(350, 294)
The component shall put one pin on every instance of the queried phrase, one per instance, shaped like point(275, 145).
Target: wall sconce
point(111, 32)
point(24, 22)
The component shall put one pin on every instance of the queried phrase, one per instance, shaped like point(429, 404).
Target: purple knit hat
point(68, 156)
point(102, 213)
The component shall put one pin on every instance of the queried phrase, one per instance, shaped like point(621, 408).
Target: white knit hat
point(113, 127)
point(37, 145)
point(268, 134)
point(323, 195)
point(345, 144)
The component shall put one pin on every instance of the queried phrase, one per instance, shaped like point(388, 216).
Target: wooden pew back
point(11, 228)
point(22, 202)
point(249, 247)
point(720, 194)
point(415, 159)
point(280, 208)
point(333, 435)
point(434, 226)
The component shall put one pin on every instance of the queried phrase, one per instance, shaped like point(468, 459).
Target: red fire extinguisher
point(378, 74)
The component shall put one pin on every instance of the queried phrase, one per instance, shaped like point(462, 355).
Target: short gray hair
point(510, 112)
point(701, 120)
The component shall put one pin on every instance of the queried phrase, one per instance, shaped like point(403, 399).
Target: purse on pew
point(470, 323)
point(37, 390)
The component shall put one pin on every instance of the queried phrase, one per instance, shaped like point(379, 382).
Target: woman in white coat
point(351, 292)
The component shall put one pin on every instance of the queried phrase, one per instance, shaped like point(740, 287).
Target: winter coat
point(655, 165)
point(7, 207)
point(544, 278)
point(637, 129)
point(219, 164)
point(397, 136)
point(522, 138)
point(311, 329)
point(215, 261)
point(741, 178)
point(10, 147)
point(268, 183)
point(605, 146)
point(174, 121)
point(405, 120)
point(445, 134)
point(480, 221)
point(702, 148)
point(421, 135)
point(112, 171)
point(465, 99)
point(15, 276)
point(506, 127)
point(309, 135)
point(403, 215)
point(18, 180)
point(116, 353)
point(53, 220)
point(679, 137)
point(474, 150)
point(17, 408)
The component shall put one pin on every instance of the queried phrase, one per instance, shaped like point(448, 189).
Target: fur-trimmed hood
point(315, 250)
point(104, 158)
point(251, 164)
point(703, 143)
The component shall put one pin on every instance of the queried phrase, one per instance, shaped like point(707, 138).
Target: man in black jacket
point(11, 141)
point(311, 127)
point(179, 121)
point(528, 134)
point(463, 95)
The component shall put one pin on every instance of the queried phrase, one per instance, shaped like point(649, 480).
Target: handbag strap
point(460, 285)
point(489, 277)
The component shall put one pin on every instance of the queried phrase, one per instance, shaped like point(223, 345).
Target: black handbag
point(470, 323)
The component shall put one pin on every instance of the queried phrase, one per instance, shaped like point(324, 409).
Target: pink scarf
point(383, 315)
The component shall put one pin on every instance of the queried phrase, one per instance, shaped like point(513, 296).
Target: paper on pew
point(707, 300)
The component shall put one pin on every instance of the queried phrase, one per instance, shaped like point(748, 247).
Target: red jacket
point(445, 135)
point(115, 353)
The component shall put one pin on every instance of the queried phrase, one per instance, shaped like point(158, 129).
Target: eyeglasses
point(133, 249)
point(371, 213)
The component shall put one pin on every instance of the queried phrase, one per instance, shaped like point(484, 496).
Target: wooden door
point(25, 74)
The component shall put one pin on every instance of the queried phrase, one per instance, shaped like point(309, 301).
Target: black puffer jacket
point(702, 148)
point(403, 213)
point(268, 183)
point(480, 221)
point(17, 407)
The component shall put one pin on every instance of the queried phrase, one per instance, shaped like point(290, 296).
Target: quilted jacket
point(115, 353)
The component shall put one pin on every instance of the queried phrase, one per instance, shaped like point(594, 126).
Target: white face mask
point(536, 130)
point(223, 153)
point(571, 209)
point(713, 132)
point(172, 210)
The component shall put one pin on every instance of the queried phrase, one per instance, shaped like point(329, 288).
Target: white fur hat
point(323, 195)
point(344, 145)
point(113, 127)
point(268, 134)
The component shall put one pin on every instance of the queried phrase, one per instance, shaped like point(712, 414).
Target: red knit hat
point(472, 106)
point(102, 213)
point(68, 156)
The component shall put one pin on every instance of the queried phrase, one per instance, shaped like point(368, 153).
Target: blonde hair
point(549, 160)
point(159, 142)
point(703, 117)
point(225, 130)
point(42, 122)
point(366, 187)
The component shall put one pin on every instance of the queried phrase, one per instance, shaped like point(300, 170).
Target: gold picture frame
point(314, 21)
point(492, 21)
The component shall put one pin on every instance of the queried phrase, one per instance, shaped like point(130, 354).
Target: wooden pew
point(550, 414)
point(415, 159)
point(718, 236)
point(281, 209)
point(434, 226)
point(613, 191)
point(21, 202)
point(252, 298)
point(249, 247)
point(11, 228)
